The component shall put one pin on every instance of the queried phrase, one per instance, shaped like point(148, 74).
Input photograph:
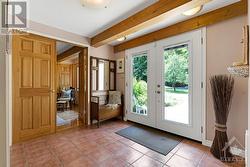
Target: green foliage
point(140, 80)
point(176, 73)
point(140, 68)
point(140, 92)
point(176, 66)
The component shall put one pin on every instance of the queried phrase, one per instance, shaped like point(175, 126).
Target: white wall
point(3, 118)
point(223, 48)
point(105, 52)
point(248, 145)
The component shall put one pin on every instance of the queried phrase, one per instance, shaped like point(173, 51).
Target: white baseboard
point(234, 150)
point(238, 152)
point(207, 143)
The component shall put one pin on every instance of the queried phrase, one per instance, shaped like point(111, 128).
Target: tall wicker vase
point(222, 92)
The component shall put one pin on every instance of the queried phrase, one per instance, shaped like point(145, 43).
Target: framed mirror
point(103, 76)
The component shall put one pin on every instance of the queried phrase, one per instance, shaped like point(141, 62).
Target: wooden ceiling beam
point(68, 53)
point(233, 10)
point(138, 21)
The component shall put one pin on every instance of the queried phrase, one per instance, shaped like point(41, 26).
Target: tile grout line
point(204, 156)
point(25, 156)
point(137, 159)
point(145, 154)
point(140, 150)
point(169, 159)
point(187, 159)
point(196, 164)
point(54, 154)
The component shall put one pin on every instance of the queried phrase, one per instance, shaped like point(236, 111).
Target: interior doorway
point(72, 86)
point(67, 114)
point(164, 88)
point(35, 89)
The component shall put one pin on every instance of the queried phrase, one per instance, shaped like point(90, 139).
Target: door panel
point(33, 87)
point(45, 108)
point(64, 75)
point(27, 45)
point(27, 113)
point(140, 106)
point(45, 48)
point(45, 75)
point(26, 72)
point(182, 112)
point(37, 111)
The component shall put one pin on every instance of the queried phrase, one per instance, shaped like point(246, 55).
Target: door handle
point(52, 90)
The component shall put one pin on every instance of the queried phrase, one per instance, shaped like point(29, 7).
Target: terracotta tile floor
point(103, 148)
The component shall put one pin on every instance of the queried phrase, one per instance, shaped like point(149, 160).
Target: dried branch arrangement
point(222, 92)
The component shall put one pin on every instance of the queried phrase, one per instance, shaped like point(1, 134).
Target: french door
point(163, 85)
point(140, 100)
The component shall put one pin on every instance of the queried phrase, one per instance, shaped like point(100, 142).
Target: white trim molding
point(204, 84)
point(207, 143)
point(57, 34)
point(234, 150)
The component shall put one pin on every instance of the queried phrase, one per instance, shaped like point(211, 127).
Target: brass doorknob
point(52, 90)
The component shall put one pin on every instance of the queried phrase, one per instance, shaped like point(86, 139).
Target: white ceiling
point(71, 16)
point(62, 46)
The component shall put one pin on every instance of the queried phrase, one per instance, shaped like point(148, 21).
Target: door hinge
point(202, 85)
point(126, 84)
point(201, 129)
point(126, 111)
point(7, 52)
point(202, 41)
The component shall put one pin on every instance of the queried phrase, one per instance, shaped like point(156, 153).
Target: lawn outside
point(177, 105)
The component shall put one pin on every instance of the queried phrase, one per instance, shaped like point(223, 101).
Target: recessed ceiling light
point(122, 39)
point(95, 3)
point(193, 11)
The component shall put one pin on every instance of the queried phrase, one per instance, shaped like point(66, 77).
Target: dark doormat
point(157, 140)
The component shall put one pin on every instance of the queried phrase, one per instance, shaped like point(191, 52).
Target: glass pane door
point(179, 92)
point(140, 80)
point(176, 75)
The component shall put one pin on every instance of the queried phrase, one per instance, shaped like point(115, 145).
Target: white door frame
point(204, 91)
point(203, 100)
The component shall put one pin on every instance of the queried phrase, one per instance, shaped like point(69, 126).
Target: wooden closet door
point(33, 87)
